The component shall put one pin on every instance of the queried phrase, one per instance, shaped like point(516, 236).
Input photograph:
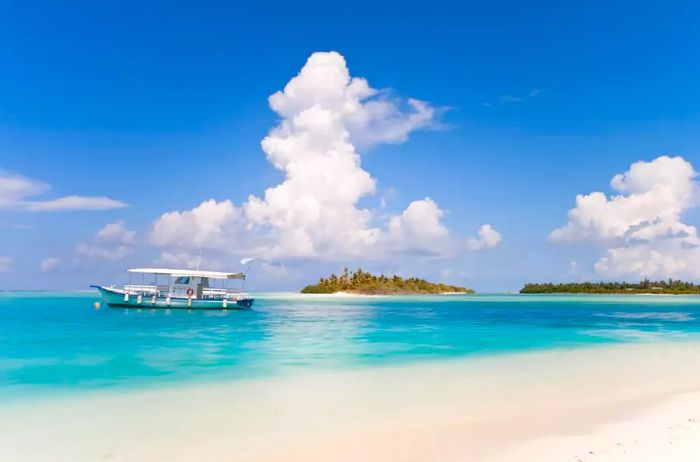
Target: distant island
point(362, 282)
point(674, 287)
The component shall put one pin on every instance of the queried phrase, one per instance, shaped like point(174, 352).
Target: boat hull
point(117, 299)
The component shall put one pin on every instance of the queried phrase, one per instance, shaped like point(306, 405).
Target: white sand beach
point(613, 403)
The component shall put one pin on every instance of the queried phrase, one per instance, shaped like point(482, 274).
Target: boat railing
point(214, 293)
point(136, 289)
point(220, 294)
point(162, 291)
point(237, 295)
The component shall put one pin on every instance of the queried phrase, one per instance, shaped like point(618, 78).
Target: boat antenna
point(199, 258)
point(249, 262)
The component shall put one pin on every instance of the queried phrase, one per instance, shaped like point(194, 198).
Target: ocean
point(54, 343)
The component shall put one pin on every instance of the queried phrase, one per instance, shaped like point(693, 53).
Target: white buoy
point(138, 299)
point(167, 300)
point(126, 297)
point(225, 303)
point(153, 300)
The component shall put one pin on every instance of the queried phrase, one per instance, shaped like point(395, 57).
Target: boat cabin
point(180, 285)
point(193, 284)
point(177, 288)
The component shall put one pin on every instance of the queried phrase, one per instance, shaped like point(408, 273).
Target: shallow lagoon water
point(57, 341)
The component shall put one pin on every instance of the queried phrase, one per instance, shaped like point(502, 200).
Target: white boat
point(188, 289)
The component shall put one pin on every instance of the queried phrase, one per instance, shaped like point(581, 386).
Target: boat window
point(182, 280)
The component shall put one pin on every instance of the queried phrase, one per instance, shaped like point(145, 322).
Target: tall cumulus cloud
point(325, 114)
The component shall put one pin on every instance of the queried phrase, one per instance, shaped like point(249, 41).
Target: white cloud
point(661, 258)
point(203, 226)
point(14, 188)
point(487, 238)
point(16, 191)
point(419, 229)
point(640, 228)
point(573, 267)
point(5, 264)
point(111, 242)
point(384, 121)
point(75, 203)
point(387, 196)
point(115, 232)
point(368, 115)
point(314, 211)
point(325, 114)
point(179, 260)
point(103, 252)
point(276, 271)
point(49, 264)
point(652, 197)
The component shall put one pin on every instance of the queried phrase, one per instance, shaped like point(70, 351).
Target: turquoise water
point(58, 342)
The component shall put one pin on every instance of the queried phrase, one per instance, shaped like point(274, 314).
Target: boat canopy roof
point(187, 272)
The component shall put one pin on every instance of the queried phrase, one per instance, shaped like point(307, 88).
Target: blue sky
point(162, 107)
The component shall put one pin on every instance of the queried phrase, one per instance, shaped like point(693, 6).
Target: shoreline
point(547, 403)
point(343, 293)
point(603, 293)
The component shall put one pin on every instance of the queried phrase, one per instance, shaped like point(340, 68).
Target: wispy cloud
point(5, 264)
point(515, 98)
point(49, 264)
point(18, 192)
point(505, 99)
point(75, 203)
point(16, 226)
point(111, 242)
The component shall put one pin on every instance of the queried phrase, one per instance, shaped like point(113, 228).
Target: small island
point(362, 282)
point(670, 287)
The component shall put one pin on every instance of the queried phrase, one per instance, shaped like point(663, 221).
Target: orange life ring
point(190, 292)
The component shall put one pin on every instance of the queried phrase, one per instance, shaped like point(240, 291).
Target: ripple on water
point(659, 315)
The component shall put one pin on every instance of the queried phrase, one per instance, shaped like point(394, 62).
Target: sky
point(485, 144)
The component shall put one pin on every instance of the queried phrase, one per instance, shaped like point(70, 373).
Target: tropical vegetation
point(362, 282)
point(646, 286)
